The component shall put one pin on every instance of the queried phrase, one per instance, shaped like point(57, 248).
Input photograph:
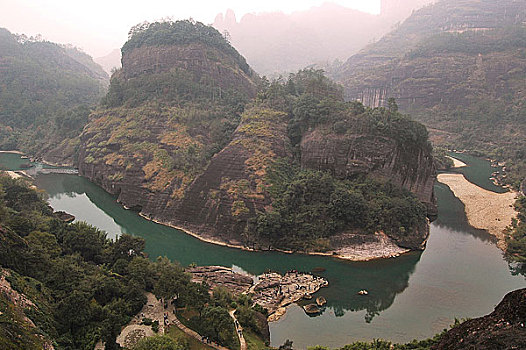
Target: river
point(460, 274)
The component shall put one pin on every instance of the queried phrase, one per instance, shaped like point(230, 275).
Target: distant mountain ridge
point(458, 66)
point(276, 43)
point(111, 61)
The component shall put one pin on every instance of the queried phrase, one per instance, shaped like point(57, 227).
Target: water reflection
point(383, 279)
point(451, 215)
point(413, 296)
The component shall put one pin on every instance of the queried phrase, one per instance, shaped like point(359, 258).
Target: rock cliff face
point(217, 202)
point(396, 66)
point(375, 156)
point(176, 140)
point(441, 81)
point(206, 63)
point(504, 328)
point(230, 191)
point(457, 66)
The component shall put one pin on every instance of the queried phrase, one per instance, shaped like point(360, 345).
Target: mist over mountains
point(275, 43)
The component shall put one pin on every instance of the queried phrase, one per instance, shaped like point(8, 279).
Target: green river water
point(460, 274)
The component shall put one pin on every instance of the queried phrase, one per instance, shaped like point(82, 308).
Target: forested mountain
point(276, 43)
point(190, 136)
point(459, 66)
point(46, 91)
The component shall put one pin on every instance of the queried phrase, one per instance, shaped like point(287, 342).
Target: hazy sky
point(98, 26)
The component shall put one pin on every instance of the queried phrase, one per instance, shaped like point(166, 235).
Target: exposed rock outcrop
point(376, 156)
point(504, 328)
point(272, 291)
point(206, 63)
point(219, 276)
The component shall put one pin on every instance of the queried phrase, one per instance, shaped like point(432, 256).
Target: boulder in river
point(312, 309)
point(62, 215)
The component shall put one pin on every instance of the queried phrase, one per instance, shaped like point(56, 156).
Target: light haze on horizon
point(98, 26)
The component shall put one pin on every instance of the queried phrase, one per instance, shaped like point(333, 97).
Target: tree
point(392, 106)
point(171, 281)
point(127, 247)
point(218, 325)
point(196, 295)
point(287, 345)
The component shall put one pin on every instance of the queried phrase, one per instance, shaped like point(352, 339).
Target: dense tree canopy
point(309, 207)
point(87, 286)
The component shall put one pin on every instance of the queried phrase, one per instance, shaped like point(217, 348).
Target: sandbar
point(485, 210)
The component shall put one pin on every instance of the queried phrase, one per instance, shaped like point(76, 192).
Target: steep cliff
point(177, 140)
point(206, 64)
point(165, 140)
point(458, 67)
point(503, 329)
point(376, 156)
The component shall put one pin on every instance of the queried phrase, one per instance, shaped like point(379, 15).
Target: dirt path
point(154, 310)
point(239, 330)
point(135, 331)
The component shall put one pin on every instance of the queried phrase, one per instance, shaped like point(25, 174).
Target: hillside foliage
point(46, 92)
point(308, 207)
point(86, 286)
point(516, 241)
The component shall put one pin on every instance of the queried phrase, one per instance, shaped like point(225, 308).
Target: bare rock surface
point(215, 276)
point(504, 328)
point(271, 290)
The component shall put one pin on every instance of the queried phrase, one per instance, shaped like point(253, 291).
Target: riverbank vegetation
point(308, 207)
point(516, 250)
point(82, 286)
point(385, 345)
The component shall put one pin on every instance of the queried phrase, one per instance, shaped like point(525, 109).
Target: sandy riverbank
point(15, 152)
point(485, 210)
point(457, 163)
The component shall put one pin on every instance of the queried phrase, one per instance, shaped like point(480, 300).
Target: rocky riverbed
point(272, 291)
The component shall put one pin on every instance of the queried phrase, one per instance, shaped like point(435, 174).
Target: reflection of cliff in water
point(383, 280)
point(453, 216)
point(60, 184)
